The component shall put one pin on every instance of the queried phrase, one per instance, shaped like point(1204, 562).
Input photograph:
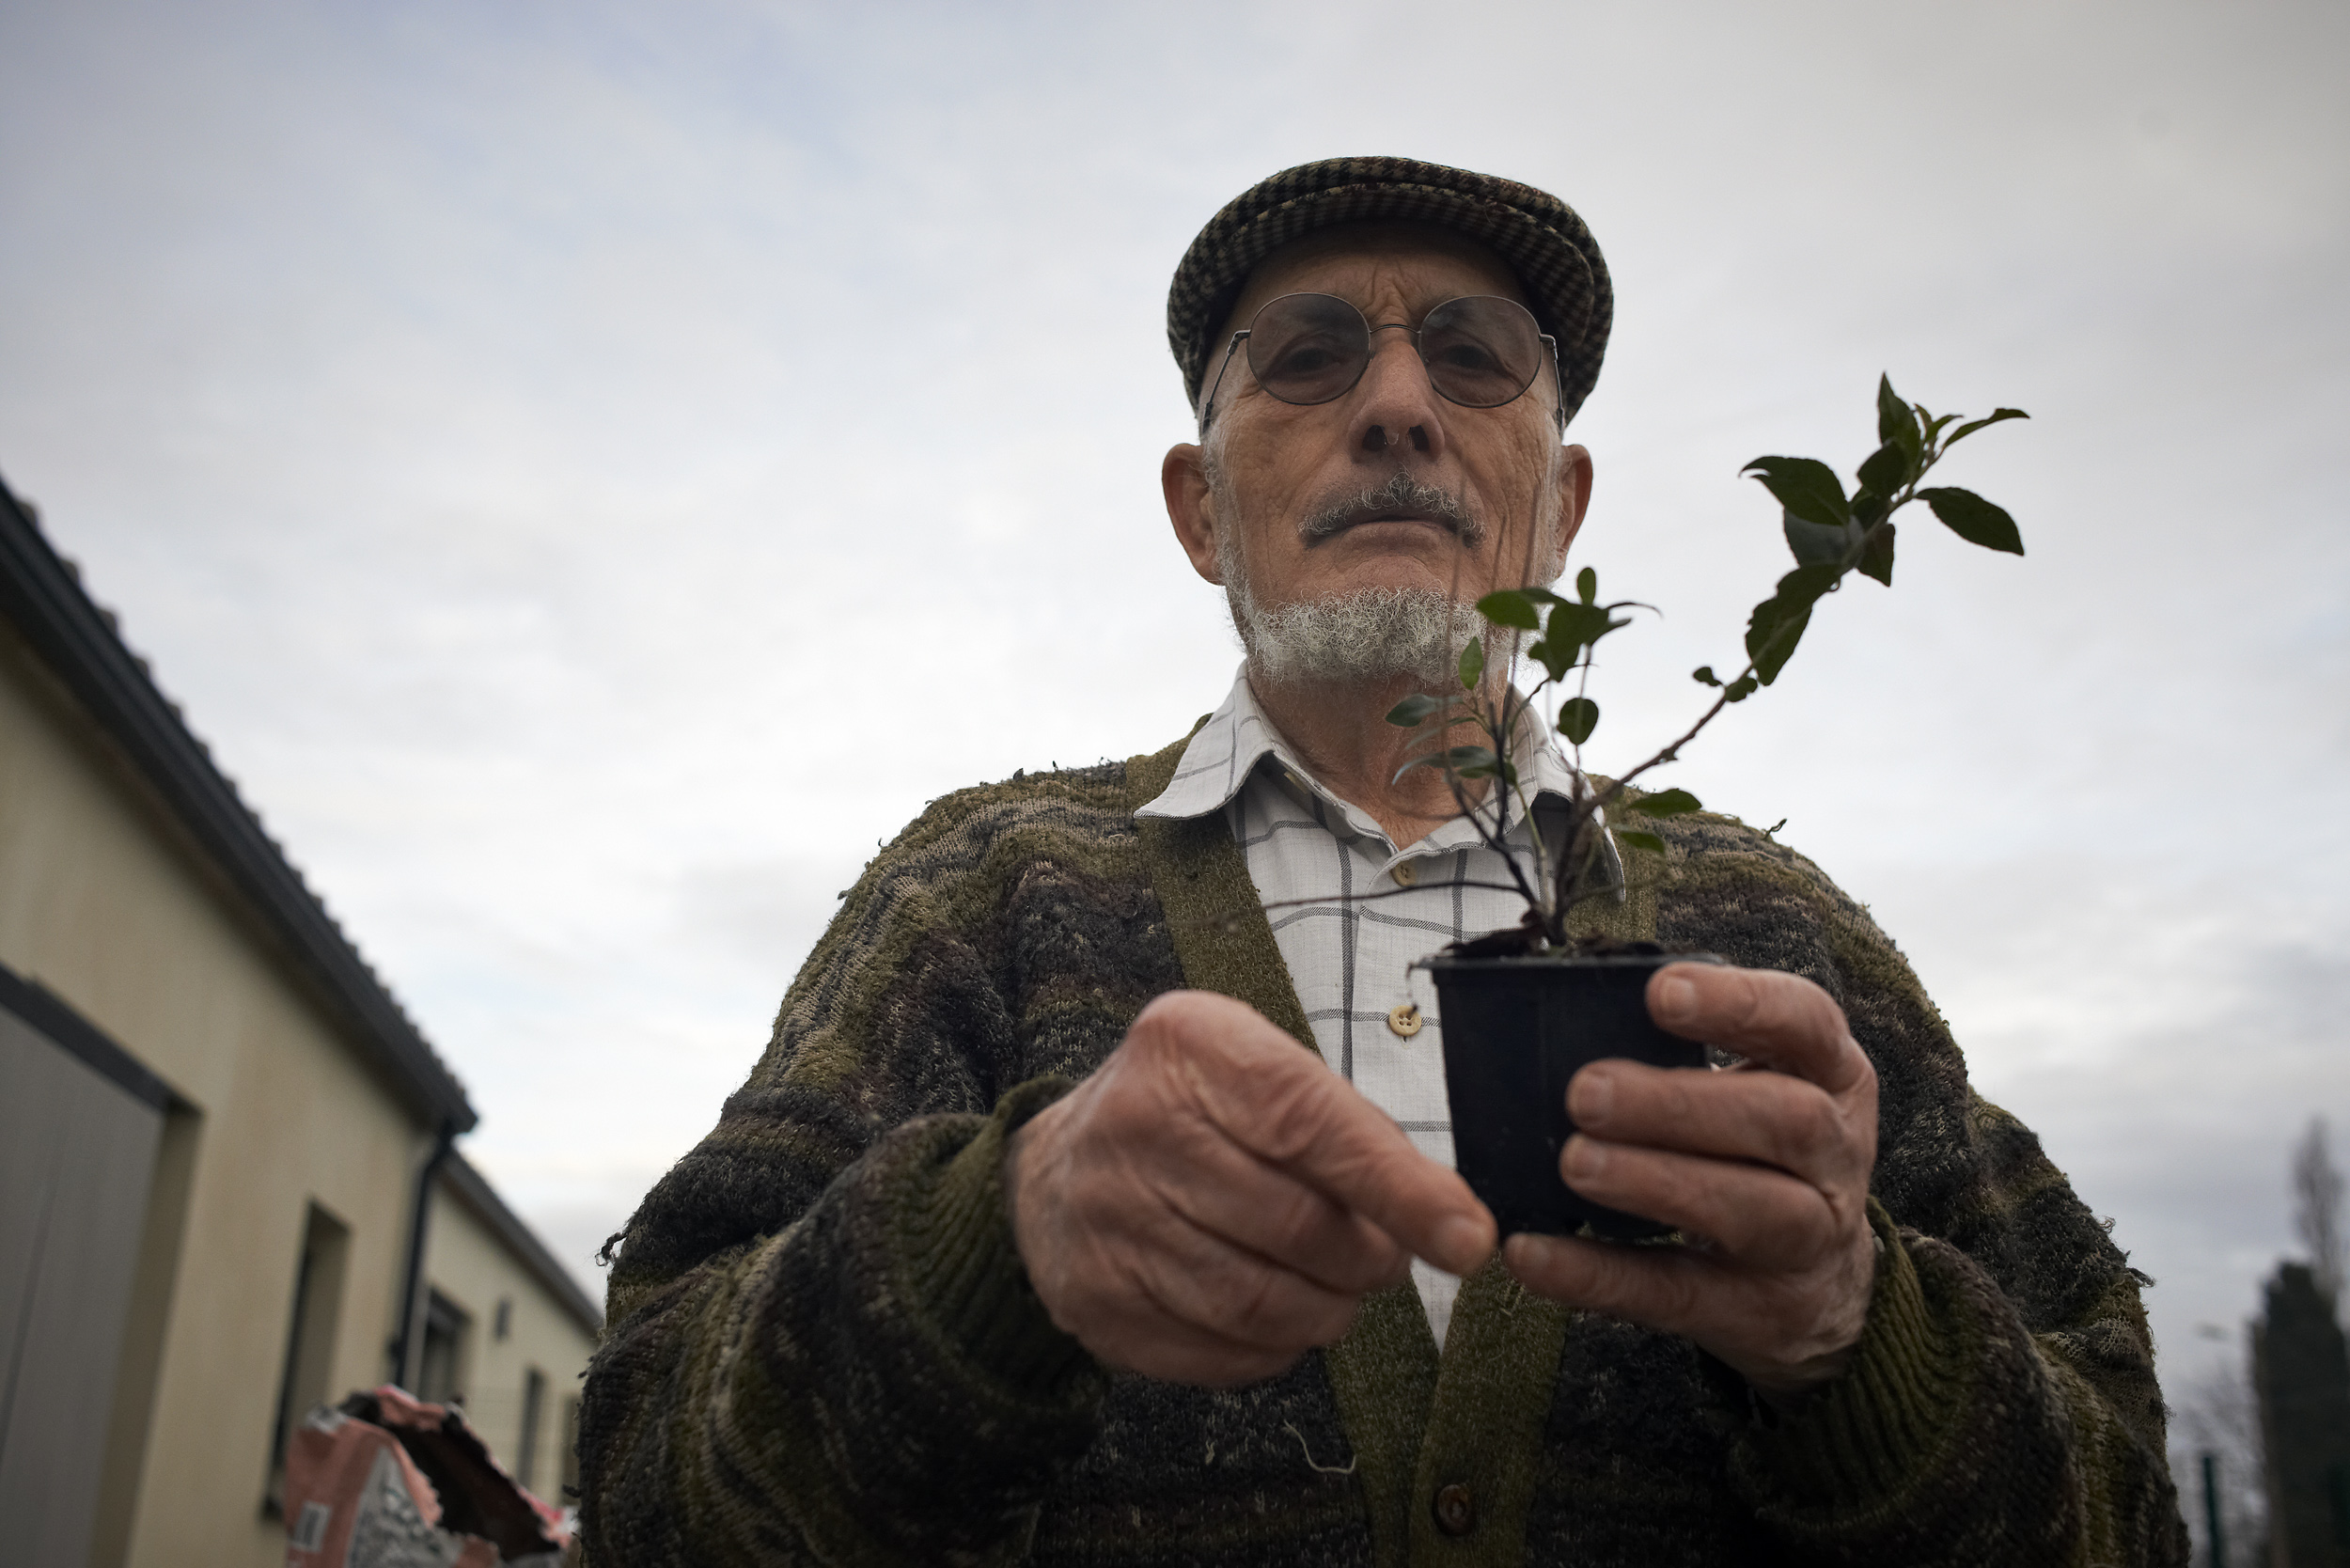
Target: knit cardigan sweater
point(822, 1347)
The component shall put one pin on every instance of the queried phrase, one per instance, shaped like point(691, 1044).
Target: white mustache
point(1400, 494)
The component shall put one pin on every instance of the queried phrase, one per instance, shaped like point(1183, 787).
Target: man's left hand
point(1765, 1173)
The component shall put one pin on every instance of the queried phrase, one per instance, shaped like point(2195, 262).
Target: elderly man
point(1036, 1235)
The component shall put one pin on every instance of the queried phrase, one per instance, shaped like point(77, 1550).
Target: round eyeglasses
point(1482, 350)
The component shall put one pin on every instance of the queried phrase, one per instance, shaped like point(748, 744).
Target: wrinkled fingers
point(1334, 1140)
point(1782, 1020)
point(1766, 1118)
point(1660, 1288)
point(1757, 1218)
point(1253, 1084)
point(1265, 1210)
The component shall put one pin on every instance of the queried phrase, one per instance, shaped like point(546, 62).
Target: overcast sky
point(592, 472)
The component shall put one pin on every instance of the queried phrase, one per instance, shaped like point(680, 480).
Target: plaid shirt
point(1350, 957)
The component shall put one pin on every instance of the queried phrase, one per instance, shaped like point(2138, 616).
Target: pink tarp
point(389, 1482)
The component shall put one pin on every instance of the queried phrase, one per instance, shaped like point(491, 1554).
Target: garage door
point(79, 1126)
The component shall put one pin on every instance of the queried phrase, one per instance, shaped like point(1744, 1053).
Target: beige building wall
point(103, 903)
point(469, 1266)
point(106, 901)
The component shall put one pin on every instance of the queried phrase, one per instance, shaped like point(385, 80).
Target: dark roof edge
point(44, 1010)
point(474, 1189)
point(44, 598)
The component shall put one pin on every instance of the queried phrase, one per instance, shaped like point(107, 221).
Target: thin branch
point(1673, 750)
point(1395, 893)
point(1492, 842)
point(1503, 764)
point(1499, 842)
point(1532, 898)
point(1534, 832)
point(1928, 457)
point(1630, 887)
point(1572, 881)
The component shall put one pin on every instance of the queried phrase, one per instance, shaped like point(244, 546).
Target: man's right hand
point(1215, 1202)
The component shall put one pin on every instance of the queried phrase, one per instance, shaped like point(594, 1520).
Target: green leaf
point(1772, 632)
point(1805, 486)
point(1740, 689)
point(1571, 627)
point(1972, 426)
point(1778, 622)
point(1703, 675)
point(1581, 623)
point(1510, 607)
point(1414, 711)
point(1897, 424)
point(1876, 554)
point(1886, 469)
point(1649, 841)
point(1577, 717)
point(1587, 585)
point(1472, 663)
point(1974, 519)
point(1469, 761)
point(1869, 508)
point(1805, 585)
point(1815, 544)
point(1667, 802)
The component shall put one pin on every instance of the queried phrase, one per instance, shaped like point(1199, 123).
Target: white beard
point(1370, 634)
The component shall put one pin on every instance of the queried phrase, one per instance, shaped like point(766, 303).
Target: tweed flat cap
point(1539, 236)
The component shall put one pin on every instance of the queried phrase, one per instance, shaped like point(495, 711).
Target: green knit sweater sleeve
point(1958, 1436)
point(2002, 1406)
point(820, 1346)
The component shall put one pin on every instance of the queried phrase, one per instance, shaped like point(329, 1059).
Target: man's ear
point(1574, 499)
point(1191, 507)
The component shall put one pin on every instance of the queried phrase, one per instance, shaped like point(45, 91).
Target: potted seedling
point(1523, 1008)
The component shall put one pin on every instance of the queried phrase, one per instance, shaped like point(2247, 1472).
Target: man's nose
point(1394, 404)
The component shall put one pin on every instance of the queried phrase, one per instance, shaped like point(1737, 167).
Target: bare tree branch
point(2317, 1208)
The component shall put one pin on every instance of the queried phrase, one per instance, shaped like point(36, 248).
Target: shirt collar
point(1238, 736)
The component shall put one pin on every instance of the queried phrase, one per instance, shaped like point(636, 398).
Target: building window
point(441, 1376)
point(502, 1324)
point(318, 1300)
point(567, 1464)
point(527, 1449)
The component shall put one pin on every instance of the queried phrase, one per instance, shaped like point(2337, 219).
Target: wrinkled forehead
point(1426, 263)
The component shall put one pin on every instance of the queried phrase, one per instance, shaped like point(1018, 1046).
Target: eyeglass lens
point(1482, 350)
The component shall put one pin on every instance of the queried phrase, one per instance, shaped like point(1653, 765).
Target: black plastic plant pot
point(1516, 1029)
